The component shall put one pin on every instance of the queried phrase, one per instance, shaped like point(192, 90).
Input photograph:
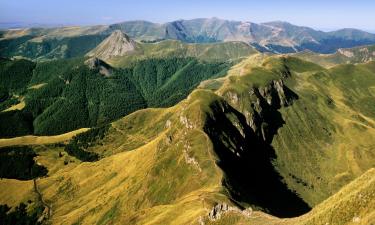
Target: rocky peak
point(117, 44)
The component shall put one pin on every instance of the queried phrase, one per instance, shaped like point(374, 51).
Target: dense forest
point(18, 163)
point(77, 147)
point(15, 74)
point(72, 95)
point(20, 215)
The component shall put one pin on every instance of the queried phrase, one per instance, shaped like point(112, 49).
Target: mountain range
point(191, 122)
point(276, 37)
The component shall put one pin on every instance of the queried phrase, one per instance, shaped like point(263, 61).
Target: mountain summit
point(117, 44)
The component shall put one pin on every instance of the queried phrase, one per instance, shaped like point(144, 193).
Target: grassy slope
point(351, 55)
point(39, 140)
point(353, 204)
point(53, 43)
point(143, 184)
point(206, 52)
point(333, 122)
point(170, 175)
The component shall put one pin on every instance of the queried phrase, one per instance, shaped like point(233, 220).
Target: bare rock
point(117, 44)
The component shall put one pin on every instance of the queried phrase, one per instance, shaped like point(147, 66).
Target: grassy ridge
point(361, 54)
point(218, 52)
point(163, 166)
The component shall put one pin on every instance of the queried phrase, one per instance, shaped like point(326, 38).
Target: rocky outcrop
point(346, 53)
point(117, 44)
point(241, 128)
point(222, 208)
point(262, 115)
point(97, 64)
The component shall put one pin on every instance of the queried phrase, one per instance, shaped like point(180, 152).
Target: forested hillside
point(64, 95)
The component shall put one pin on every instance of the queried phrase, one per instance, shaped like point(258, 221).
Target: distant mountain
point(117, 44)
point(276, 37)
point(54, 43)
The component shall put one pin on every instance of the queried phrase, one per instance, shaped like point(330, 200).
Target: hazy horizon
point(318, 14)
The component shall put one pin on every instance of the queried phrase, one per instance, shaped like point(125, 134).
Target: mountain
point(187, 123)
point(227, 154)
point(276, 37)
point(117, 44)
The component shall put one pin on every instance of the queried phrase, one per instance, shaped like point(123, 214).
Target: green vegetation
point(361, 54)
point(18, 163)
point(50, 48)
point(278, 134)
point(218, 52)
point(15, 74)
point(164, 82)
point(78, 145)
point(19, 216)
point(15, 123)
point(82, 97)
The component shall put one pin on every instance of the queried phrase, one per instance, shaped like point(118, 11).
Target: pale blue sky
point(323, 14)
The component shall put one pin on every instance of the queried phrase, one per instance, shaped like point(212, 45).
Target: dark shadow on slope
point(269, 120)
point(18, 163)
point(246, 159)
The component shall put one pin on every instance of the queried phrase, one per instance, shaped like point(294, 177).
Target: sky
point(319, 14)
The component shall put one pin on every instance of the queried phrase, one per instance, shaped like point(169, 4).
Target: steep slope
point(117, 44)
point(277, 134)
point(353, 204)
point(332, 108)
point(86, 93)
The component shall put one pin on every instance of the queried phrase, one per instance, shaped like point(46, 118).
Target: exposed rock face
point(101, 66)
point(185, 121)
point(241, 128)
point(346, 53)
point(262, 116)
point(219, 209)
point(117, 44)
point(361, 55)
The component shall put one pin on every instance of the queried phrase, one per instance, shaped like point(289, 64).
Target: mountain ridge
point(176, 165)
point(276, 36)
